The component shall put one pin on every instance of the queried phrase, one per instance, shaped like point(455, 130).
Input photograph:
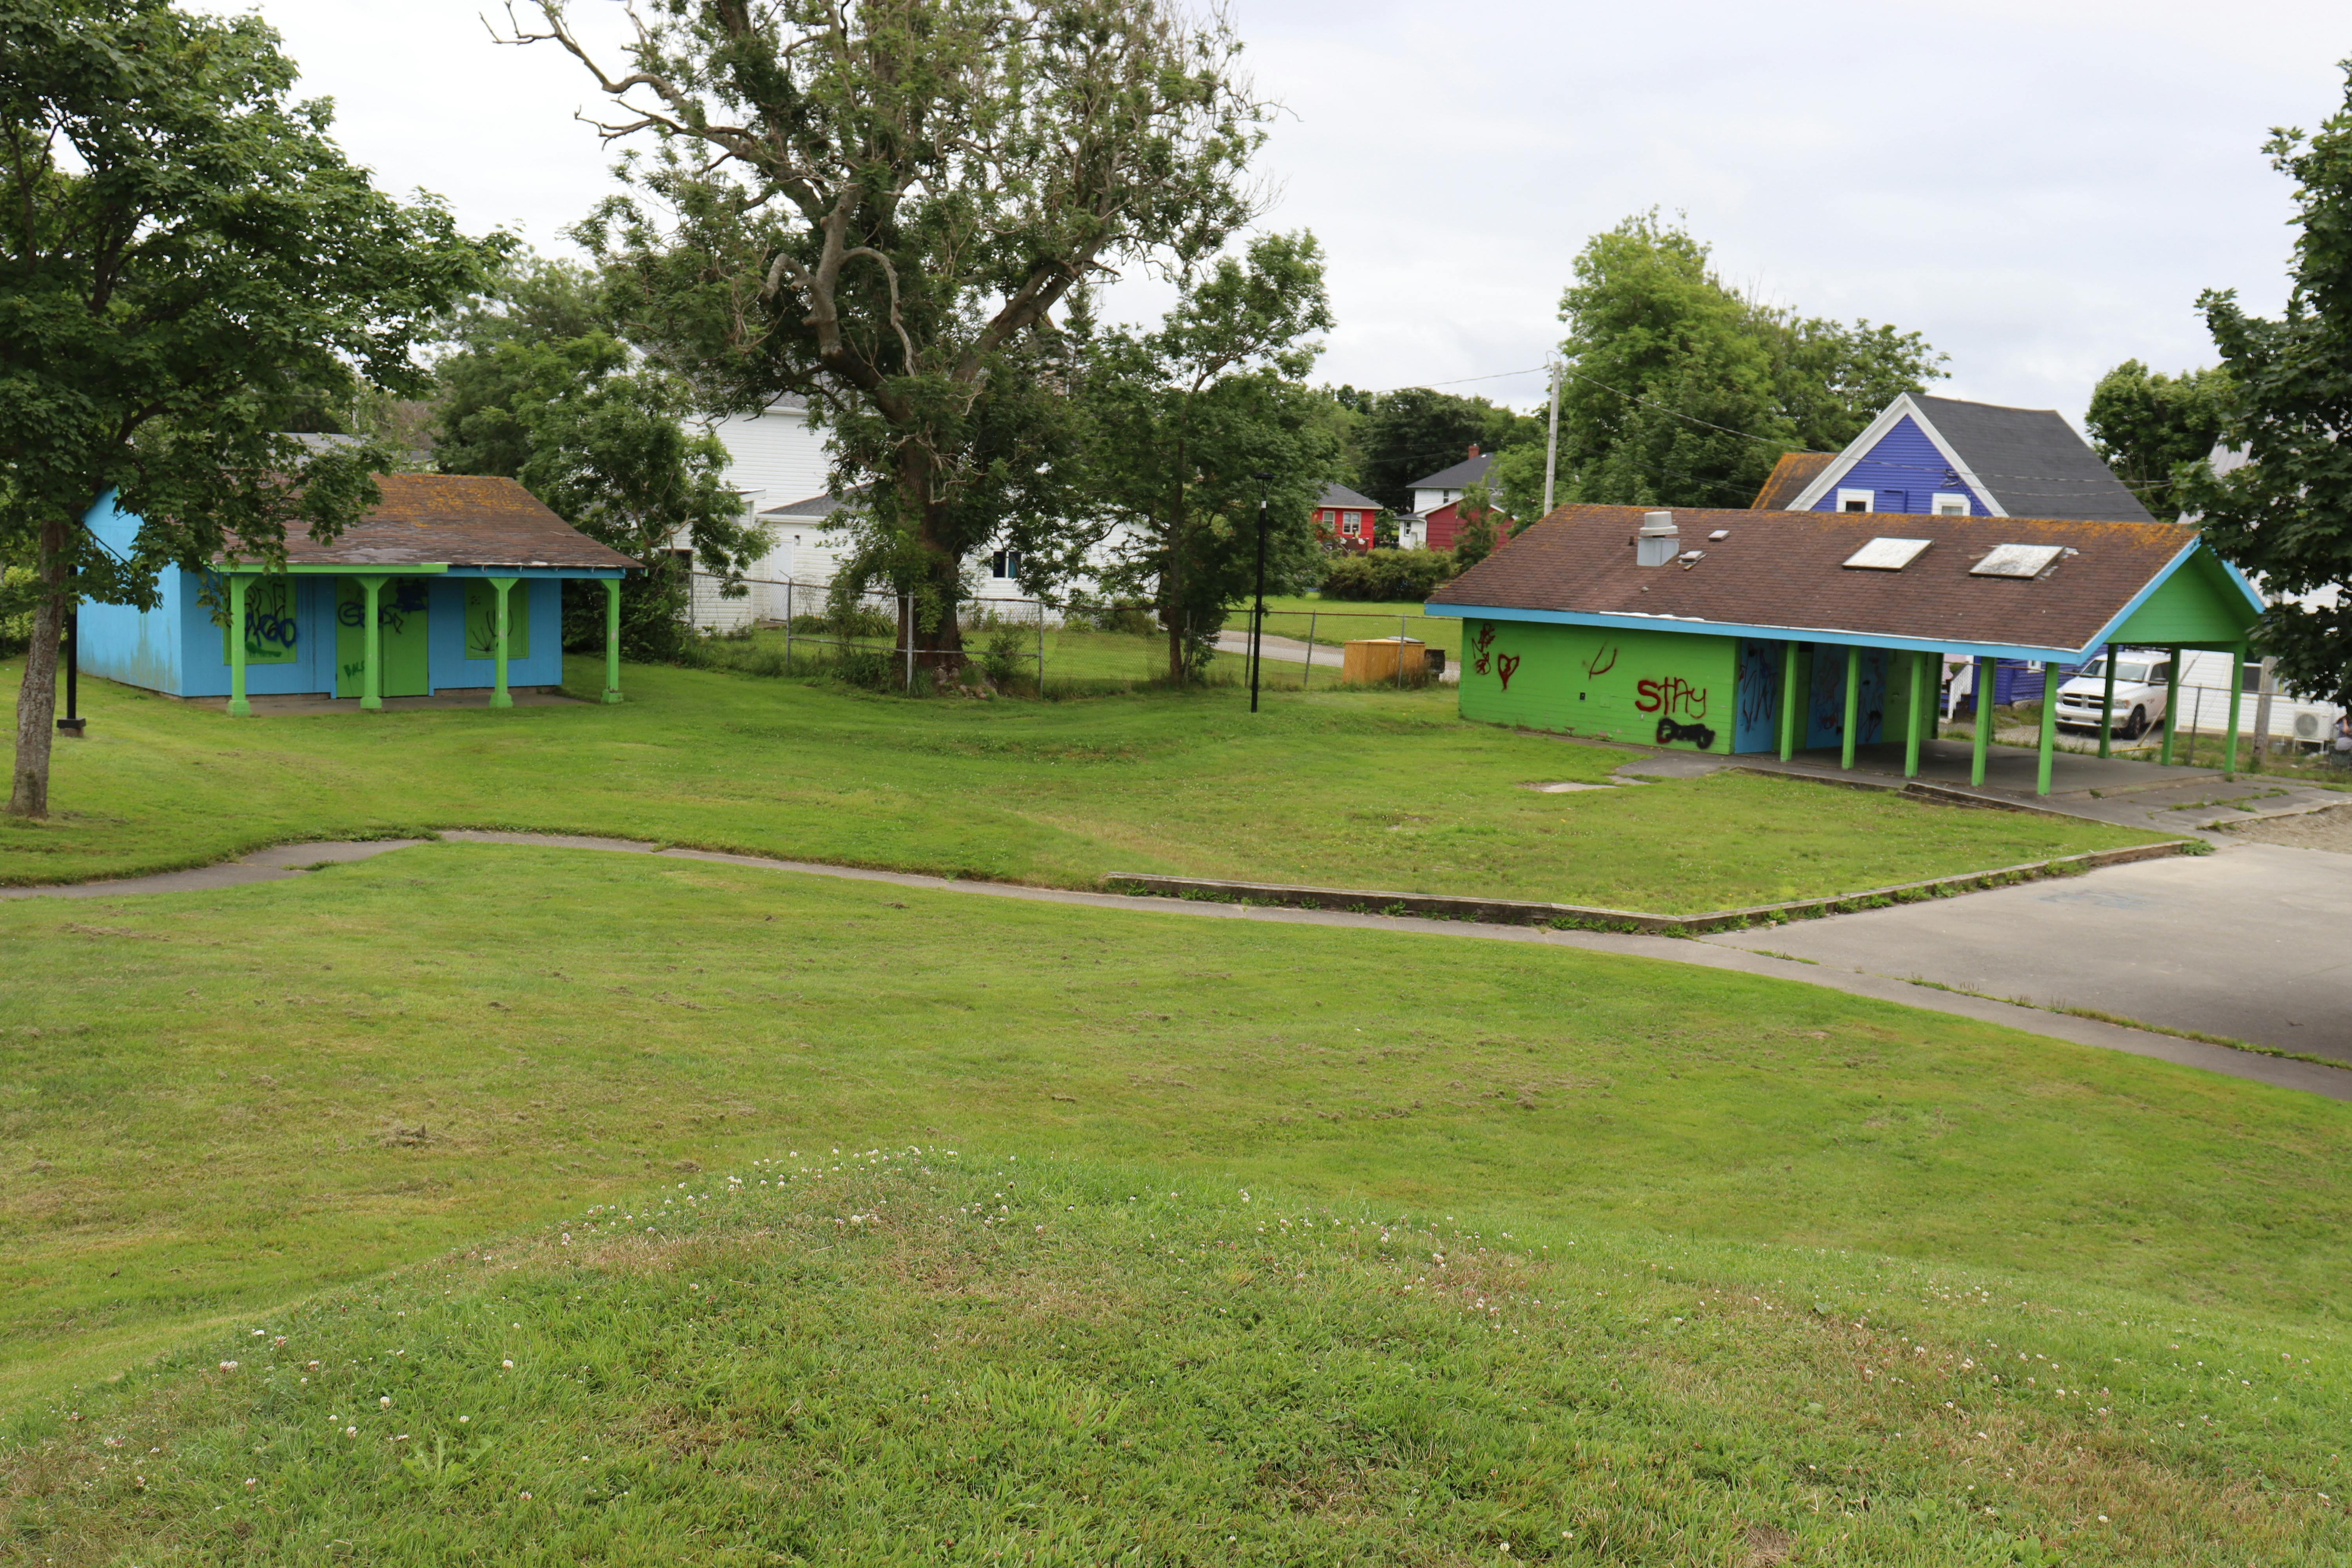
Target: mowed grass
point(1337, 621)
point(214, 1103)
point(1374, 790)
point(942, 1354)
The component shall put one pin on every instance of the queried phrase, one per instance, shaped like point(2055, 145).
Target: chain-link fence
point(781, 626)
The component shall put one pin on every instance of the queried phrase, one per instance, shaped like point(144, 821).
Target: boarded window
point(271, 632)
point(482, 619)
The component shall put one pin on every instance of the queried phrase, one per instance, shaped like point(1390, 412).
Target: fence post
point(1041, 650)
point(1308, 679)
point(2197, 717)
point(1399, 653)
point(788, 626)
point(909, 621)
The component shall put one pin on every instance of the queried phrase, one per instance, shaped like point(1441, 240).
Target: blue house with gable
point(1947, 458)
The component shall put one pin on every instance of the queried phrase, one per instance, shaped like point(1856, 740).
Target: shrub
point(1387, 574)
point(872, 667)
point(1006, 645)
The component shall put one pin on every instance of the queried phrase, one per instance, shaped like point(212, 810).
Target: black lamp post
point(1258, 621)
point(73, 722)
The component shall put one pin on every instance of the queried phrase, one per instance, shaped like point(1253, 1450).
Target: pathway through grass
point(1361, 790)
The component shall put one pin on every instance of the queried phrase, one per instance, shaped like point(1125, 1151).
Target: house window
point(1857, 501)
point(1352, 524)
point(1004, 565)
point(1950, 505)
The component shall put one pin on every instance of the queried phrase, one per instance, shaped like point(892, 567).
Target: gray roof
point(2033, 461)
point(1341, 496)
point(1460, 477)
point(814, 506)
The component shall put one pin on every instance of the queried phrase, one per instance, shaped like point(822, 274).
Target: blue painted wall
point(1905, 472)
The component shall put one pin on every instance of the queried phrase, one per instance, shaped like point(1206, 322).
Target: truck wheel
point(2137, 726)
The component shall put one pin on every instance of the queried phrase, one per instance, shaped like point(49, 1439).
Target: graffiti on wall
point(1759, 687)
point(1507, 666)
point(1604, 661)
point(1480, 643)
point(1671, 696)
point(1698, 735)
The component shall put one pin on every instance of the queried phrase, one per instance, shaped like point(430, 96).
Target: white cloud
point(2043, 188)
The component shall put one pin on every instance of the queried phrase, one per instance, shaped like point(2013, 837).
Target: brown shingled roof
point(1784, 569)
point(456, 520)
point(1789, 478)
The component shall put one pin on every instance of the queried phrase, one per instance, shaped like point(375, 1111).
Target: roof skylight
point(1887, 554)
point(2017, 561)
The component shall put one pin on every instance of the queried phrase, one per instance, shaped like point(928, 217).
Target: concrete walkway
point(2118, 790)
point(285, 860)
point(2248, 942)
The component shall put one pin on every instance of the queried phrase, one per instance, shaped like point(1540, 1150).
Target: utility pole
point(2264, 689)
point(1551, 448)
point(1258, 621)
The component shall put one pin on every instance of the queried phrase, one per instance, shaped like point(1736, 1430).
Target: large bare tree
point(879, 204)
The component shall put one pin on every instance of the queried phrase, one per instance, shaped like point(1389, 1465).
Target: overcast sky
point(2041, 187)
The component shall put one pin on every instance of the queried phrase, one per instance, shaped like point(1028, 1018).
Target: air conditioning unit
point(2308, 726)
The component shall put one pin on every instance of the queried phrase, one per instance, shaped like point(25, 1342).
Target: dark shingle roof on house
point(2033, 461)
point(1460, 477)
point(1341, 496)
point(1791, 474)
point(456, 520)
point(1784, 569)
point(813, 507)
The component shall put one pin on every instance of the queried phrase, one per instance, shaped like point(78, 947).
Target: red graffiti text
point(1482, 642)
point(1671, 696)
point(1507, 666)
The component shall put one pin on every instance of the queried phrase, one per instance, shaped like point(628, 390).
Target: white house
point(780, 464)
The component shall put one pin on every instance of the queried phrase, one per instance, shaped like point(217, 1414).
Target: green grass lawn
point(1716, 1249)
point(1336, 621)
point(1376, 790)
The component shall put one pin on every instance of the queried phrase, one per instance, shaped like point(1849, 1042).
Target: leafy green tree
point(2286, 513)
point(1475, 537)
point(1415, 432)
point(2146, 424)
point(188, 257)
point(542, 392)
point(1681, 391)
point(1195, 424)
point(880, 206)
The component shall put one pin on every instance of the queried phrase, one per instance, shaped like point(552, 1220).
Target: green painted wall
point(1617, 686)
point(1614, 685)
point(2197, 603)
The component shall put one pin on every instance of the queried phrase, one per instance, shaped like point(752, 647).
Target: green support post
point(2107, 707)
point(2237, 696)
point(1982, 694)
point(1788, 700)
point(2049, 739)
point(1912, 711)
point(237, 702)
point(1853, 704)
point(500, 696)
point(2171, 703)
point(372, 677)
point(612, 639)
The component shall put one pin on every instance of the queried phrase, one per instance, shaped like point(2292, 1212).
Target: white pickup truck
point(2140, 679)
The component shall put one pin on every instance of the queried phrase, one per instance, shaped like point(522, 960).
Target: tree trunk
point(939, 647)
point(37, 699)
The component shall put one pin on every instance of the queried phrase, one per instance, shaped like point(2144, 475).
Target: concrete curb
point(1512, 911)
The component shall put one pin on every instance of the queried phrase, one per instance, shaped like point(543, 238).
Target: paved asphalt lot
point(2252, 942)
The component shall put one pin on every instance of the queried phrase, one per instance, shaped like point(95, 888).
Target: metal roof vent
point(1887, 554)
point(1658, 542)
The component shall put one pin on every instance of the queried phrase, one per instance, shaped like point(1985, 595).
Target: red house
point(1346, 517)
point(1438, 500)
